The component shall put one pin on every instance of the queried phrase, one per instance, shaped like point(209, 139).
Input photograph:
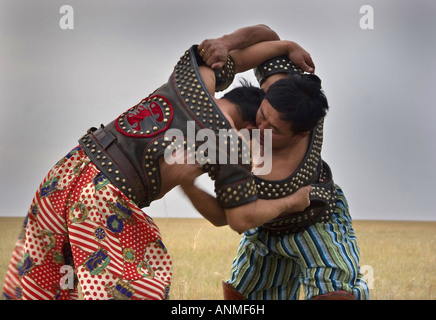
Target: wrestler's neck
point(286, 159)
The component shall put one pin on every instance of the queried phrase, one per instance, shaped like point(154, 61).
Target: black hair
point(248, 98)
point(300, 100)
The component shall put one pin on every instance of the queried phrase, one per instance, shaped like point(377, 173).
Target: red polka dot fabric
point(82, 231)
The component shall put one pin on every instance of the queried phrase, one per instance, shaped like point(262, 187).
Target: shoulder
point(209, 79)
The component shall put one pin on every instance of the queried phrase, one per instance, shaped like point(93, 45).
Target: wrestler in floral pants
point(81, 230)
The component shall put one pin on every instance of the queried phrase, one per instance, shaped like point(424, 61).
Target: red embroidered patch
point(148, 118)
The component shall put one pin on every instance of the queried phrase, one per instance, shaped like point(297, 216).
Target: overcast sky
point(379, 138)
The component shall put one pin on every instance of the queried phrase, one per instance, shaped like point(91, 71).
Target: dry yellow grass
point(403, 258)
point(400, 255)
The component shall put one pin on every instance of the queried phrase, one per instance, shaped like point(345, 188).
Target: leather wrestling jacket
point(311, 171)
point(127, 150)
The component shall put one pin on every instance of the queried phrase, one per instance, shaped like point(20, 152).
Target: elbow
point(272, 35)
point(240, 228)
point(219, 223)
point(241, 223)
point(243, 218)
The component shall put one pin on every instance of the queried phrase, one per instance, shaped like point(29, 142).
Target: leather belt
point(321, 208)
point(102, 150)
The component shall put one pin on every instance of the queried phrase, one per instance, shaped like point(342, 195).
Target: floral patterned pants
point(82, 230)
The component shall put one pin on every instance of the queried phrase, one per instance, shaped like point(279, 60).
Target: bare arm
point(252, 56)
point(250, 215)
point(206, 204)
point(215, 51)
point(249, 47)
point(258, 212)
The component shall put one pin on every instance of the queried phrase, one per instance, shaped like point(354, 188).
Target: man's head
point(292, 107)
point(248, 99)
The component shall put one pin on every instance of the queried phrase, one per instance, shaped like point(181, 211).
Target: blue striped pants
point(322, 259)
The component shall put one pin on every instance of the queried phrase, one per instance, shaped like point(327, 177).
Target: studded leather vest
point(311, 171)
point(127, 150)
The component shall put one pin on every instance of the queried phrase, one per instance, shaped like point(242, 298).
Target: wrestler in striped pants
point(322, 259)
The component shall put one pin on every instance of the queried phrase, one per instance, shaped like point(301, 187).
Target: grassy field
point(399, 258)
